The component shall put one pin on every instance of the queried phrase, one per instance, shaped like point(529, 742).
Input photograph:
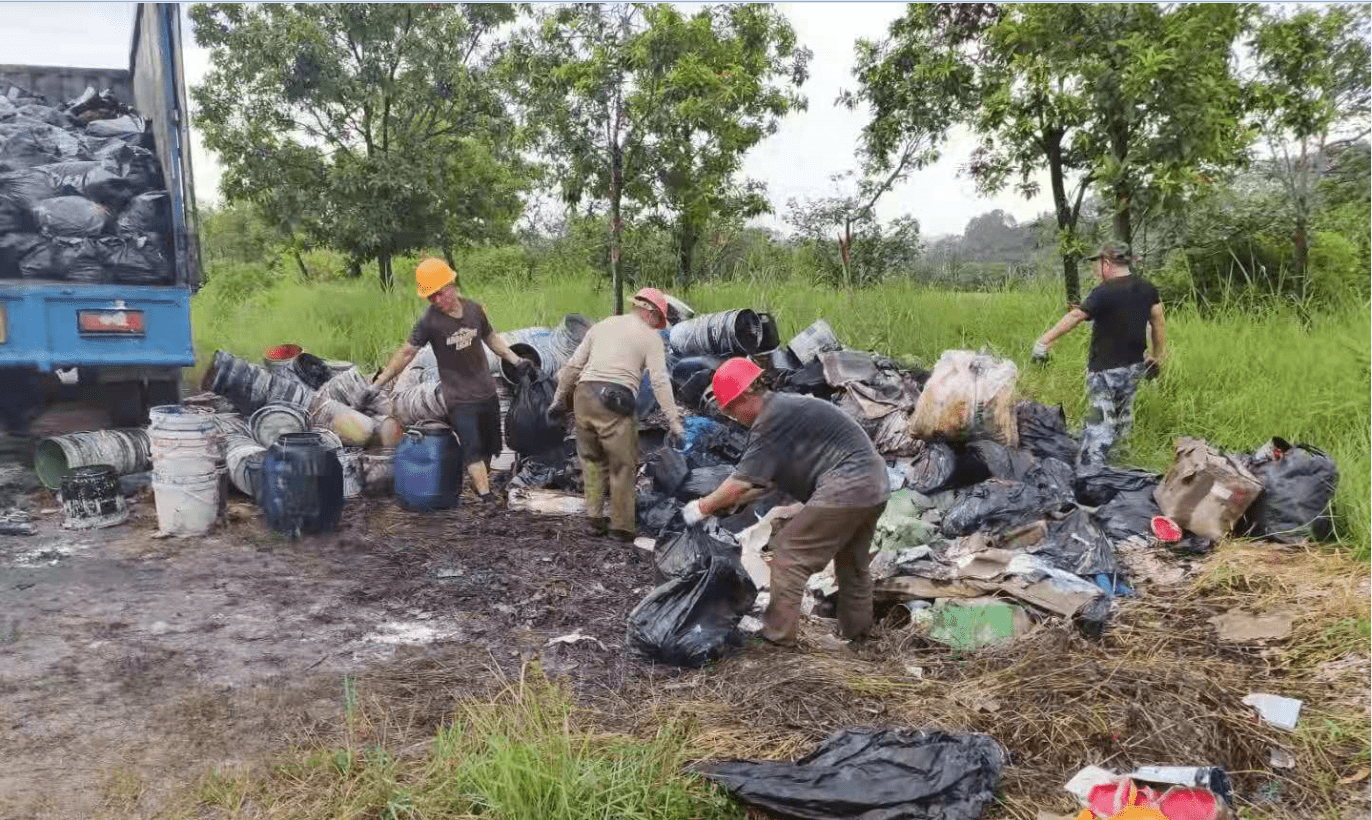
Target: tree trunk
point(1066, 215)
point(685, 253)
point(616, 226)
point(448, 257)
point(354, 268)
point(1302, 242)
point(300, 265)
point(383, 265)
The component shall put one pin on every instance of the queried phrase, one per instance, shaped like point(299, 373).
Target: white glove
point(691, 513)
point(1040, 353)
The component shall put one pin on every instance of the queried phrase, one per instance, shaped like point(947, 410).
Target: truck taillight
point(110, 322)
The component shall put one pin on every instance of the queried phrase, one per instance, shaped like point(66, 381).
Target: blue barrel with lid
point(428, 469)
point(300, 485)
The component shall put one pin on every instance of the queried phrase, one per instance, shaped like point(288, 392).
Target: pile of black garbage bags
point(82, 196)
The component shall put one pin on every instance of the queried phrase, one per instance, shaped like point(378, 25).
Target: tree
point(1137, 100)
point(643, 108)
point(844, 231)
point(1312, 84)
point(341, 119)
point(721, 80)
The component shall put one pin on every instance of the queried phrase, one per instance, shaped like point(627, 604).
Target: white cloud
point(797, 161)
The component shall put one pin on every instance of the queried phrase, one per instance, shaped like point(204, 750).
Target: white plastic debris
point(574, 637)
point(1283, 713)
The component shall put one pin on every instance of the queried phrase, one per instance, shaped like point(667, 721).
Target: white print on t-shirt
point(461, 339)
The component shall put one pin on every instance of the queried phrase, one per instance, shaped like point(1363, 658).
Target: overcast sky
point(795, 162)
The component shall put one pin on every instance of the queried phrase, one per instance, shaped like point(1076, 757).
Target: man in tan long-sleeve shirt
point(606, 372)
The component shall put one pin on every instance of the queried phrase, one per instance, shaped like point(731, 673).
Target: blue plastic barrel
point(300, 489)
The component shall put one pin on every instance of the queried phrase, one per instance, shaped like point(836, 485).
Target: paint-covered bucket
point(127, 451)
point(91, 498)
point(351, 459)
point(272, 421)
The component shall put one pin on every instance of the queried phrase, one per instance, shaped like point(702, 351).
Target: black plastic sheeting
point(1297, 491)
point(808, 380)
point(1043, 432)
point(527, 428)
point(995, 505)
point(873, 774)
point(693, 619)
point(312, 370)
point(1074, 543)
point(656, 512)
point(703, 481)
point(668, 469)
point(1096, 485)
point(932, 470)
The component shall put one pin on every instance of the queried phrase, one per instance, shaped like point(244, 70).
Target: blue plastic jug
point(428, 469)
point(300, 489)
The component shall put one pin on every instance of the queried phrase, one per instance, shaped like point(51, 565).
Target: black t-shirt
point(457, 345)
point(1119, 310)
point(815, 453)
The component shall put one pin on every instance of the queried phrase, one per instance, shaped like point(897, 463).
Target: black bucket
point(91, 498)
point(771, 334)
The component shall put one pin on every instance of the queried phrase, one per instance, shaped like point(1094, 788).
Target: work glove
point(677, 436)
point(1152, 368)
point(524, 367)
point(368, 397)
point(554, 413)
point(691, 513)
point(1040, 352)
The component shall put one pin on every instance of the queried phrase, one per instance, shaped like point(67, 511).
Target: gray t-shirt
point(815, 453)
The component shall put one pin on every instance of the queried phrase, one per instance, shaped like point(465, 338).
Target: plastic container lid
point(1166, 529)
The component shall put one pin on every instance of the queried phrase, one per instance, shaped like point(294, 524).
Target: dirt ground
point(122, 652)
point(131, 664)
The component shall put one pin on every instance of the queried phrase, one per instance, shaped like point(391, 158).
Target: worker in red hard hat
point(814, 452)
point(604, 376)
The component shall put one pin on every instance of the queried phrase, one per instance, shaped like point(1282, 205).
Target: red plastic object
point(732, 378)
point(1166, 529)
point(282, 353)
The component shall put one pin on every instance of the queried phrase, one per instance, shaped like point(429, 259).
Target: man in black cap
point(1124, 311)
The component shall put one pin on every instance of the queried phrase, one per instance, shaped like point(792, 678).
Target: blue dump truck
point(99, 253)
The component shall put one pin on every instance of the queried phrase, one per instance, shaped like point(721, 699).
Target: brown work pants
point(608, 446)
point(816, 536)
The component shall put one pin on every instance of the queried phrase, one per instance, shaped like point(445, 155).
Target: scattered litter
point(976, 622)
point(1184, 793)
point(1238, 626)
point(874, 774)
point(574, 637)
point(1281, 712)
point(1281, 759)
point(546, 502)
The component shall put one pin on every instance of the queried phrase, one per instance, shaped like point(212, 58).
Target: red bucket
point(282, 354)
point(1166, 529)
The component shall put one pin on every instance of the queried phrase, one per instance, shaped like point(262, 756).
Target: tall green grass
point(524, 755)
point(1233, 378)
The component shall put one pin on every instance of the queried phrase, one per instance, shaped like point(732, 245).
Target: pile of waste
point(82, 196)
point(991, 527)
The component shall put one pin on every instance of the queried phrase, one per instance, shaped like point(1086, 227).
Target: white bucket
point(186, 505)
point(240, 451)
point(351, 459)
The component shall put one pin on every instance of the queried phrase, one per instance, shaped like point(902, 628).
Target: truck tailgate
point(51, 325)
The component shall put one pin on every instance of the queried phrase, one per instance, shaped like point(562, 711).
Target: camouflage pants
point(1109, 411)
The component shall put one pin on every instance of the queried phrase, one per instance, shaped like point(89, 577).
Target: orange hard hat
point(432, 275)
point(653, 298)
point(733, 378)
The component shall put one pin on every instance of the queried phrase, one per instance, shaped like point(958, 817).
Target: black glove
point(554, 413)
point(524, 367)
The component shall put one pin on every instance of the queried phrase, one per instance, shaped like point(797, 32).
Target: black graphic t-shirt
point(1119, 310)
point(457, 345)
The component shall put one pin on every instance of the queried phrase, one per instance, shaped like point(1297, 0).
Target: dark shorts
point(477, 426)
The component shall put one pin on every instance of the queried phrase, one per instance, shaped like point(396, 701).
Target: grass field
point(1235, 379)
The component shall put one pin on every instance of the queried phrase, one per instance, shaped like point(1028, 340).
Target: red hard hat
point(652, 297)
point(733, 378)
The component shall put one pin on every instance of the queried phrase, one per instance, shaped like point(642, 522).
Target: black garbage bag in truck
point(20, 191)
point(13, 248)
point(136, 260)
point(693, 619)
point(70, 216)
point(1298, 486)
point(146, 213)
point(65, 258)
point(873, 774)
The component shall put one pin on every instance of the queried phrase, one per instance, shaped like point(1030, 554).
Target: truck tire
point(157, 392)
point(126, 403)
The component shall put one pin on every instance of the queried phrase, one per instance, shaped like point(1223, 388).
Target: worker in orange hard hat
point(815, 453)
point(604, 376)
point(455, 327)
